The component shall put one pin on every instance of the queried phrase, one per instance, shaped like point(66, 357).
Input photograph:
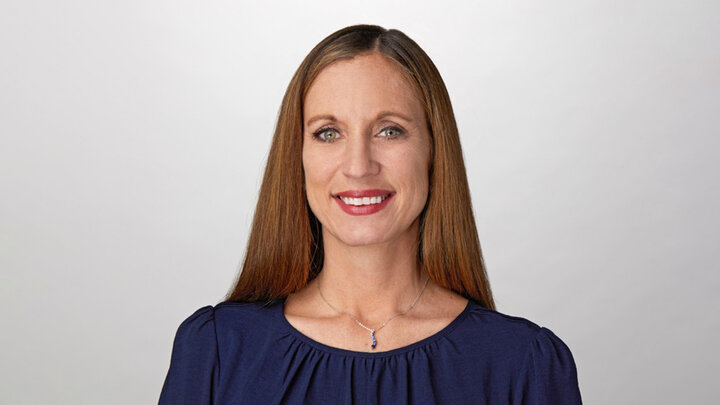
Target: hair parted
point(285, 249)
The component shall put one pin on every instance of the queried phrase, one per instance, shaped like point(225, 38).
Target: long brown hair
point(285, 249)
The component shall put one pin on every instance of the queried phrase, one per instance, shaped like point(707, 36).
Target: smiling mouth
point(363, 200)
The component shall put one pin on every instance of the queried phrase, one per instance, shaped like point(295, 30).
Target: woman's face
point(366, 151)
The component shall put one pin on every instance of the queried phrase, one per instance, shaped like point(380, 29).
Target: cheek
point(409, 175)
point(308, 164)
point(316, 175)
point(414, 166)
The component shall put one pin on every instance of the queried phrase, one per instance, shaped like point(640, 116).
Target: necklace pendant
point(374, 342)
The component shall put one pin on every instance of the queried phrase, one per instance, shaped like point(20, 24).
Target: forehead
point(361, 87)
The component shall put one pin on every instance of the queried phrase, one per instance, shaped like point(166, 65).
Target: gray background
point(134, 134)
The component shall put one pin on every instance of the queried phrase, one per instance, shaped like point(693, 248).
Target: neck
point(372, 282)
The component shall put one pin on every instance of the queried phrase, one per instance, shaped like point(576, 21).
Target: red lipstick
point(363, 193)
point(363, 209)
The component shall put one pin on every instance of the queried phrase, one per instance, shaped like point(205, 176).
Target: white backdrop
point(134, 133)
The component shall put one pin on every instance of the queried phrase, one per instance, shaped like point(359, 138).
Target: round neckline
point(346, 352)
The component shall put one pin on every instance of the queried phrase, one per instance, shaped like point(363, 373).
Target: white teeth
point(363, 200)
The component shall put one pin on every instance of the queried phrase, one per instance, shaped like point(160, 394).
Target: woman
point(363, 280)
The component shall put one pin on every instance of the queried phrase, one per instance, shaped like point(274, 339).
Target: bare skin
point(312, 317)
point(370, 268)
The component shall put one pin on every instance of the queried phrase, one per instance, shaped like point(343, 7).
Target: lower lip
point(362, 209)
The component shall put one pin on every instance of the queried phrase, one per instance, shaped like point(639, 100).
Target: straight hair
point(285, 249)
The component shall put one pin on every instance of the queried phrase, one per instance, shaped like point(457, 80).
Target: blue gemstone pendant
point(374, 342)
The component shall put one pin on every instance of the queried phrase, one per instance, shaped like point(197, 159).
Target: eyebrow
point(381, 115)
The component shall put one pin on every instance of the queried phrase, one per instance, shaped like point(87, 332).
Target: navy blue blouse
point(248, 353)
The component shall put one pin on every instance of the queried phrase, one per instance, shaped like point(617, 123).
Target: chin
point(357, 238)
point(362, 240)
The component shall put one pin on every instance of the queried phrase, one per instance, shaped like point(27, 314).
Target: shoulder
point(494, 324)
point(199, 324)
point(255, 318)
point(225, 316)
point(212, 331)
point(501, 326)
point(541, 363)
point(194, 363)
point(259, 310)
point(511, 348)
point(513, 339)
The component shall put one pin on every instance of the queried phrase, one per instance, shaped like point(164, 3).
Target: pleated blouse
point(248, 353)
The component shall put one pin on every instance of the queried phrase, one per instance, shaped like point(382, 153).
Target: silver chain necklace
point(372, 331)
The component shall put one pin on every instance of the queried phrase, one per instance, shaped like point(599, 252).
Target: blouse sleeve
point(551, 375)
point(194, 366)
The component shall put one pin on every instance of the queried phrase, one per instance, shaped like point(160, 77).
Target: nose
point(359, 160)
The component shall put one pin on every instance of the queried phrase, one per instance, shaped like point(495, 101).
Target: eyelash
point(316, 134)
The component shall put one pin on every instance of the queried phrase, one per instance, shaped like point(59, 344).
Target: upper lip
point(363, 193)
